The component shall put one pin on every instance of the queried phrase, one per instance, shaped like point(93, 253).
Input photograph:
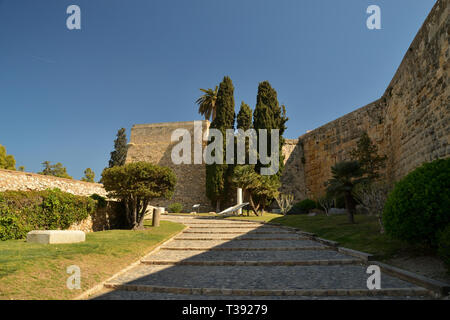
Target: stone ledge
point(362, 255)
point(56, 236)
point(268, 292)
point(440, 288)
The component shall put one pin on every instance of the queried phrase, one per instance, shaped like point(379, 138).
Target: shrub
point(418, 207)
point(444, 246)
point(101, 201)
point(175, 207)
point(23, 211)
point(303, 206)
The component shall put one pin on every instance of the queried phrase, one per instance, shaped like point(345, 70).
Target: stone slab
point(56, 236)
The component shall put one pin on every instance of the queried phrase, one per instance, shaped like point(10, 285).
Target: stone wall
point(410, 123)
point(17, 180)
point(152, 143)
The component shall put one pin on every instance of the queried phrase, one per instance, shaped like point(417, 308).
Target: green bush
point(303, 206)
point(175, 207)
point(444, 246)
point(418, 206)
point(101, 201)
point(23, 211)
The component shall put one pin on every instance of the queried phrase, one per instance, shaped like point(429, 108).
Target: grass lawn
point(364, 235)
point(38, 271)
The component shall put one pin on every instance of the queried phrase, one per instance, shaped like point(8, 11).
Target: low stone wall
point(25, 181)
point(107, 218)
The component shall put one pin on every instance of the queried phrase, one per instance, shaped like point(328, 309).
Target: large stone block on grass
point(56, 236)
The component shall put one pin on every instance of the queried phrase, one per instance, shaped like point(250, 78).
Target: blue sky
point(65, 93)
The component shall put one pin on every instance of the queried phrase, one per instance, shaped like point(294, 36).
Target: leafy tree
point(269, 115)
point(217, 181)
point(136, 184)
point(260, 189)
point(21, 168)
point(89, 175)
point(346, 176)
point(207, 103)
point(7, 161)
point(366, 153)
point(119, 155)
point(56, 170)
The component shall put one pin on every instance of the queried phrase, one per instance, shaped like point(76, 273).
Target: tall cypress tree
point(269, 115)
point(217, 175)
point(244, 117)
point(119, 155)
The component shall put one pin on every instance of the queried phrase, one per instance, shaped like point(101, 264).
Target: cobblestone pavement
point(224, 259)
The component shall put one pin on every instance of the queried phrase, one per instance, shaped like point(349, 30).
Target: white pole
point(239, 199)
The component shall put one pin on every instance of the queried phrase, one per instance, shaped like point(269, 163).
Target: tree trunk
point(350, 206)
point(218, 205)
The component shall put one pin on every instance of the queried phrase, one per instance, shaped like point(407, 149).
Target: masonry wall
point(109, 217)
point(410, 123)
point(152, 143)
point(17, 180)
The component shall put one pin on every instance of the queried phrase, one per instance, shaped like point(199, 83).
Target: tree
point(346, 176)
point(217, 175)
point(56, 170)
point(325, 202)
point(21, 168)
point(7, 161)
point(207, 103)
point(260, 189)
point(269, 115)
point(89, 175)
point(285, 202)
point(119, 155)
point(136, 184)
point(366, 153)
point(373, 196)
point(244, 117)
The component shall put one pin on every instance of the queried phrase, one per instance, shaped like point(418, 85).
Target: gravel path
point(223, 259)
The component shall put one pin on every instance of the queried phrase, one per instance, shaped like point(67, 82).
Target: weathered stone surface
point(56, 236)
point(26, 181)
point(410, 123)
point(152, 143)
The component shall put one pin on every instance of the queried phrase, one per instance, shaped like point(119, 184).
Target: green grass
point(38, 271)
point(364, 235)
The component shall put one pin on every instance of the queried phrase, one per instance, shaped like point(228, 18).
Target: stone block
point(56, 236)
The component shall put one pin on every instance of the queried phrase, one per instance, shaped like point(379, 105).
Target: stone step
point(195, 292)
point(328, 262)
point(152, 294)
point(238, 239)
point(248, 249)
point(350, 276)
point(210, 256)
point(242, 232)
point(236, 227)
point(217, 244)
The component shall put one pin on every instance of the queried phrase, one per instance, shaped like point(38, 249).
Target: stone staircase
point(224, 259)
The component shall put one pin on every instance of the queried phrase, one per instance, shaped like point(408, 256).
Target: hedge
point(23, 211)
point(417, 209)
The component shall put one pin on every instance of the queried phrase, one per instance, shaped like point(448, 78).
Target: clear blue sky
point(64, 94)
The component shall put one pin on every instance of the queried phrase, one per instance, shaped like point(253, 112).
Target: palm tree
point(207, 103)
point(346, 175)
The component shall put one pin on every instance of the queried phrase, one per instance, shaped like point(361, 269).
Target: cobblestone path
point(224, 259)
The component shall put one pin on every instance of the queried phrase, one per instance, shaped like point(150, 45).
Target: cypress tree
point(269, 115)
point(218, 177)
point(244, 117)
point(119, 154)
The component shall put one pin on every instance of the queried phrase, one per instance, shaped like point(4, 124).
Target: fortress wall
point(410, 123)
point(152, 143)
point(417, 125)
